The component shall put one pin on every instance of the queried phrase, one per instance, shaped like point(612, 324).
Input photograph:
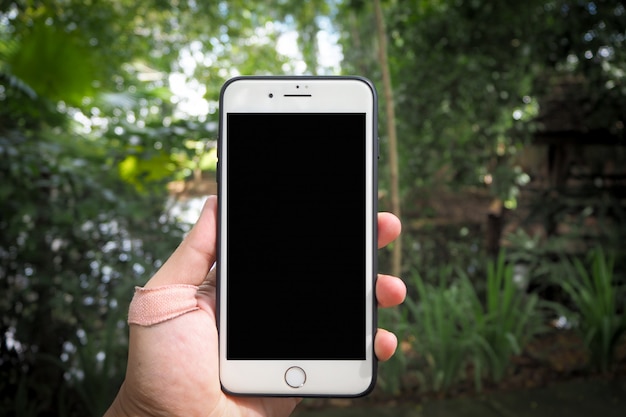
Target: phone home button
point(295, 377)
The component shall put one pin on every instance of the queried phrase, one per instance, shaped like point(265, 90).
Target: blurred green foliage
point(469, 74)
point(94, 122)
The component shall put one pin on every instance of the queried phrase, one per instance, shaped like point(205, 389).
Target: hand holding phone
point(173, 366)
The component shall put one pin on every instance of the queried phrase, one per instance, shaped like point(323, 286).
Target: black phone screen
point(296, 248)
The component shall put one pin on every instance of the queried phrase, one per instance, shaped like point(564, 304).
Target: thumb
point(191, 261)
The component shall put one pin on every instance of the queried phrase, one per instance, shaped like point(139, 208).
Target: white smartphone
point(297, 181)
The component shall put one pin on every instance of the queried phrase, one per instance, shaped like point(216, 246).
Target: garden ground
point(549, 378)
point(576, 398)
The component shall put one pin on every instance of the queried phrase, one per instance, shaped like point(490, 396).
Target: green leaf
point(54, 63)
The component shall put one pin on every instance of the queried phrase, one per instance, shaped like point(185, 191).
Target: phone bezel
point(305, 94)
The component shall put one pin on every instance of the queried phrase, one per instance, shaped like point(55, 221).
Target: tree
point(92, 126)
point(469, 92)
point(396, 265)
point(75, 237)
point(90, 133)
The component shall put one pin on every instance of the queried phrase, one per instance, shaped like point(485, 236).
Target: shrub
point(441, 331)
point(453, 326)
point(594, 293)
point(504, 323)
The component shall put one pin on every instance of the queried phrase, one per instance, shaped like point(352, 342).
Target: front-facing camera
point(271, 95)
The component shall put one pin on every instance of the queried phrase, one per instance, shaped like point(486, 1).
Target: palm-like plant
point(595, 295)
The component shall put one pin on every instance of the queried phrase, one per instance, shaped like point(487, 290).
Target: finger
point(389, 228)
point(390, 290)
point(385, 344)
point(191, 261)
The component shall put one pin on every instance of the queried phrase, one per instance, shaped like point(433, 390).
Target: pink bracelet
point(151, 306)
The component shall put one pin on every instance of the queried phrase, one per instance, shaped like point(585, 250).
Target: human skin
point(173, 366)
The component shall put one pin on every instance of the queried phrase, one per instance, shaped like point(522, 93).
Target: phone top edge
point(269, 94)
point(360, 78)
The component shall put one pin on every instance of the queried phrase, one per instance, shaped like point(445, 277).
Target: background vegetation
point(510, 173)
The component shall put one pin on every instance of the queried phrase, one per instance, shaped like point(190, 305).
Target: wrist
point(119, 407)
point(115, 410)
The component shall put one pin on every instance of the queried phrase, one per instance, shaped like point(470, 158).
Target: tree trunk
point(396, 265)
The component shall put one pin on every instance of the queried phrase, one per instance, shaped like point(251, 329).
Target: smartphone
point(297, 186)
